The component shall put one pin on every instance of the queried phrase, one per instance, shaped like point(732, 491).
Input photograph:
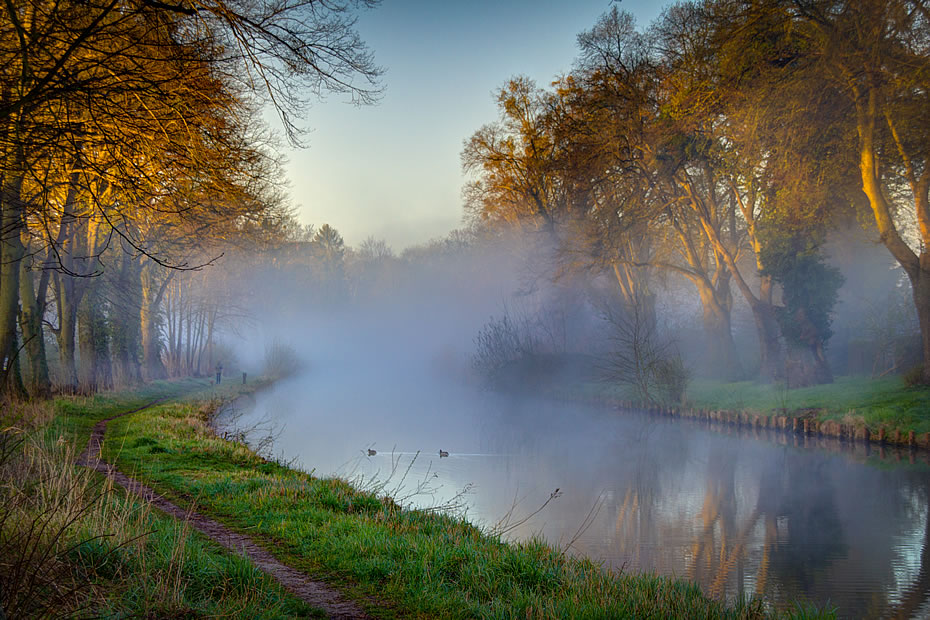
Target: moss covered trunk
point(30, 322)
point(12, 252)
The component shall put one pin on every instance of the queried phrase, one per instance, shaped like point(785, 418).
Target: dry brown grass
point(50, 509)
point(25, 416)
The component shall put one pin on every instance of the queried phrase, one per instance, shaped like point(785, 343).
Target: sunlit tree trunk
point(716, 304)
point(91, 328)
point(152, 365)
point(713, 286)
point(635, 292)
point(916, 266)
point(772, 362)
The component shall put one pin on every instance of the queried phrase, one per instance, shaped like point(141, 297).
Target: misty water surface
point(737, 514)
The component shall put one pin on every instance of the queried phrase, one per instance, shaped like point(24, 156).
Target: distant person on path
point(219, 372)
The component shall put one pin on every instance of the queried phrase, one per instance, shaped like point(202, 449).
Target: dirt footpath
point(315, 593)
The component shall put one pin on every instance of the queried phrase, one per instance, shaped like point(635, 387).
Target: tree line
point(722, 144)
point(132, 151)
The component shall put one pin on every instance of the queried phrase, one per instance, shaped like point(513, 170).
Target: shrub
point(500, 342)
point(642, 356)
point(671, 377)
point(42, 497)
point(281, 360)
point(915, 376)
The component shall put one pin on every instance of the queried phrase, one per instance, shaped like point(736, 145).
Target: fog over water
point(739, 514)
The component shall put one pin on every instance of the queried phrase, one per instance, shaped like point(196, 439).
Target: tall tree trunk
point(188, 342)
point(634, 289)
point(101, 338)
point(920, 286)
point(179, 332)
point(209, 344)
point(198, 340)
point(12, 251)
point(763, 310)
point(88, 325)
point(67, 324)
point(916, 266)
point(697, 245)
point(68, 289)
point(169, 331)
point(39, 384)
point(13, 386)
point(722, 359)
point(152, 365)
point(771, 356)
point(127, 323)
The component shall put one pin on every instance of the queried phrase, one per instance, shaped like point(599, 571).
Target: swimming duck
point(372, 452)
point(443, 453)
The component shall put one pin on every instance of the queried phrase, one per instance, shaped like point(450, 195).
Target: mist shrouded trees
point(130, 149)
point(721, 145)
point(876, 57)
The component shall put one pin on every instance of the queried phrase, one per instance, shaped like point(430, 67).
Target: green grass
point(406, 563)
point(170, 571)
point(72, 544)
point(76, 415)
point(885, 402)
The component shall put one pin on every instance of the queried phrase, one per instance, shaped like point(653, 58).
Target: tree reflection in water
point(738, 514)
point(744, 517)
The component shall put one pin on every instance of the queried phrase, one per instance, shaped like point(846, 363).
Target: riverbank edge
point(798, 423)
point(75, 543)
point(217, 403)
point(319, 596)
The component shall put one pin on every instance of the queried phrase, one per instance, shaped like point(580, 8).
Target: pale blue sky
point(392, 170)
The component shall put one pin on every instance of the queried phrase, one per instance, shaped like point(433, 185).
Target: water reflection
point(739, 515)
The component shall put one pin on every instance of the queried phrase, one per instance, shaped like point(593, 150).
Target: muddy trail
point(312, 592)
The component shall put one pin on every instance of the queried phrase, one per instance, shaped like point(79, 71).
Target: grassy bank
point(875, 403)
point(403, 563)
point(70, 544)
point(73, 545)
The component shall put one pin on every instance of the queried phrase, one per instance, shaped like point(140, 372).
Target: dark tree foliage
point(810, 290)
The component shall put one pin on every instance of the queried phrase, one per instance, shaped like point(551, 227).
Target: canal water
point(741, 514)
